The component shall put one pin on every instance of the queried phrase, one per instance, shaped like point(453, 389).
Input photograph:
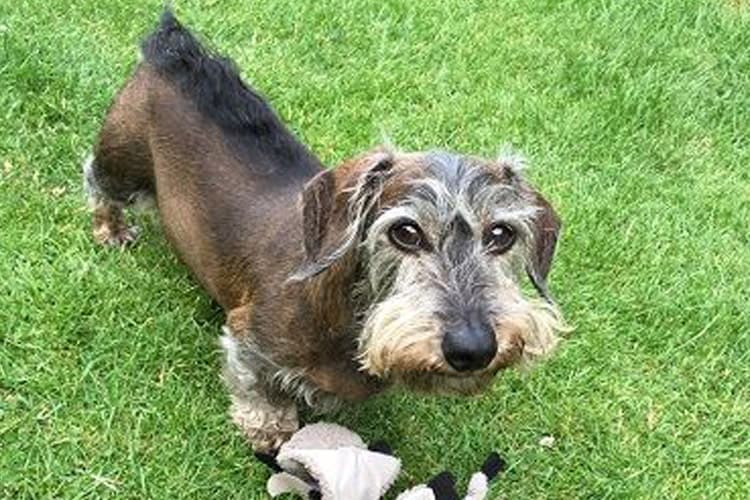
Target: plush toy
point(329, 462)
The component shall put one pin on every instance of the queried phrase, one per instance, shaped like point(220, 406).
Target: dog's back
point(187, 130)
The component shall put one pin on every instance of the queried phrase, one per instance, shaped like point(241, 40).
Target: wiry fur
point(213, 84)
point(247, 370)
point(321, 307)
point(408, 316)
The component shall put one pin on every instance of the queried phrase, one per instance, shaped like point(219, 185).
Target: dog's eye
point(406, 236)
point(499, 238)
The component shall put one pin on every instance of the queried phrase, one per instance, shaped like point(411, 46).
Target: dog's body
point(336, 283)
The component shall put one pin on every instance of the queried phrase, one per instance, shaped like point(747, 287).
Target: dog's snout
point(469, 348)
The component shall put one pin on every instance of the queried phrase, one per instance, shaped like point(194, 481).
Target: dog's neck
point(332, 297)
point(338, 309)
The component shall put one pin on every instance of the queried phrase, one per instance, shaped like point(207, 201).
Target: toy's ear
point(443, 486)
point(336, 208)
point(381, 447)
point(269, 460)
point(493, 466)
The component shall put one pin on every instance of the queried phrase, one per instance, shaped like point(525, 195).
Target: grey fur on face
point(416, 299)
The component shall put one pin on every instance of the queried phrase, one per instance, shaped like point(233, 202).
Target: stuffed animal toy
point(328, 462)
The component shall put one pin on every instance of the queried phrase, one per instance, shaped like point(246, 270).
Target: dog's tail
point(174, 51)
point(213, 84)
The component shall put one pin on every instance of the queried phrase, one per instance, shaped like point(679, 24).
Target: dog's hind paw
point(118, 236)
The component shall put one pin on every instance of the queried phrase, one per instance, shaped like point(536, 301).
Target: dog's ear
point(546, 227)
point(337, 206)
point(546, 223)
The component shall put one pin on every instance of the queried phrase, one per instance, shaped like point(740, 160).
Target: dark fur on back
point(213, 84)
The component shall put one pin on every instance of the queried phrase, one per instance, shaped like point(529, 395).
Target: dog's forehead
point(459, 173)
point(442, 185)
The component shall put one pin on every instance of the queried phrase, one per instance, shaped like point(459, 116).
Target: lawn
point(636, 118)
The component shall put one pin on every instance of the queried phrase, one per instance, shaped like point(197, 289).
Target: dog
point(393, 268)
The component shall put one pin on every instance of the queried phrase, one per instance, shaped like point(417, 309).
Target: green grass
point(636, 116)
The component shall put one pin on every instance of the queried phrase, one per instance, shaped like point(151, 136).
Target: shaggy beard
point(401, 343)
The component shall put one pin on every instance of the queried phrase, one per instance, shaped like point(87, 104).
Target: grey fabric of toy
point(334, 461)
point(329, 462)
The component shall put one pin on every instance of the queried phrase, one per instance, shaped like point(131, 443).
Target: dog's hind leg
point(108, 219)
point(120, 172)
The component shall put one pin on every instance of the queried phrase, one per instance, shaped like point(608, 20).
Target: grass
point(636, 116)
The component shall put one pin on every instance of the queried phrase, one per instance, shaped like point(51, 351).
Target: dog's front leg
point(266, 418)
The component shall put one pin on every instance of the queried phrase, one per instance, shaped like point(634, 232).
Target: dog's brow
point(392, 215)
point(478, 180)
point(520, 218)
point(515, 213)
point(430, 189)
point(487, 194)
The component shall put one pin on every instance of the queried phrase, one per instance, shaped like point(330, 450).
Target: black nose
point(469, 348)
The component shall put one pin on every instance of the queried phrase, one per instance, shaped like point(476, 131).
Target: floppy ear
point(337, 206)
point(546, 227)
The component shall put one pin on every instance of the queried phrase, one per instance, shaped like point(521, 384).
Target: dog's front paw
point(266, 441)
point(265, 426)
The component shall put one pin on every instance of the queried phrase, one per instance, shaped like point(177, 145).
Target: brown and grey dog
point(392, 268)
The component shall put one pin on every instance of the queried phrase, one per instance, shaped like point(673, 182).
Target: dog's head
point(439, 245)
